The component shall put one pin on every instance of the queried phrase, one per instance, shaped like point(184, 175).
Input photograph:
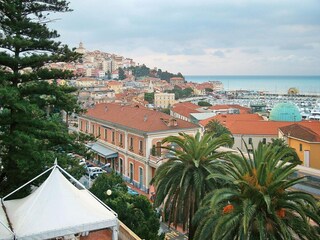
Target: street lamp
point(109, 192)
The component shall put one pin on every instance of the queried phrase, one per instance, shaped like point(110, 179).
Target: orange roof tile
point(301, 132)
point(232, 117)
point(185, 108)
point(138, 118)
point(255, 127)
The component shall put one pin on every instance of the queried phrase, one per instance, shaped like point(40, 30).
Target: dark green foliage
point(140, 71)
point(278, 144)
point(149, 97)
point(179, 93)
point(182, 181)
point(259, 202)
point(136, 212)
point(204, 104)
point(122, 74)
point(166, 110)
point(209, 90)
point(109, 75)
point(32, 133)
point(217, 129)
point(144, 71)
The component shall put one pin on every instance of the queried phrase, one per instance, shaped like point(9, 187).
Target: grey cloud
point(186, 27)
point(219, 54)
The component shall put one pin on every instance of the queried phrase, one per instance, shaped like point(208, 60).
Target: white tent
point(5, 232)
point(58, 208)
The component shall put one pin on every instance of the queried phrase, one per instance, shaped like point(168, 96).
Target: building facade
point(129, 138)
point(163, 100)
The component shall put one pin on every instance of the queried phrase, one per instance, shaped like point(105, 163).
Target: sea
point(309, 85)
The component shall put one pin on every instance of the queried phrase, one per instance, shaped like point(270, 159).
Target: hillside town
point(95, 146)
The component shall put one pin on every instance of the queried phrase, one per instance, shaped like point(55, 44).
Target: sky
point(203, 37)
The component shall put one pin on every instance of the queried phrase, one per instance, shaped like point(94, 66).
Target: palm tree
point(279, 143)
point(217, 129)
point(259, 202)
point(181, 182)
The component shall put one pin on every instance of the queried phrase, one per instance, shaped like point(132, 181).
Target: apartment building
point(129, 138)
point(163, 100)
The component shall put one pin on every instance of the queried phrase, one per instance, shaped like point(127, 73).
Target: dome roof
point(285, 112)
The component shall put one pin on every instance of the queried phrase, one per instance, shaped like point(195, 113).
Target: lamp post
point(109, 192)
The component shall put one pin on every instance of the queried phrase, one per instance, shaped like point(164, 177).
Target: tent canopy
point(5, 233)
point(58, 208)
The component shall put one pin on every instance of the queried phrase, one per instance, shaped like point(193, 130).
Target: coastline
point(279, 84)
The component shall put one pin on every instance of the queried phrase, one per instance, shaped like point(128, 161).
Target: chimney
point(145, 118)
point(172, 122)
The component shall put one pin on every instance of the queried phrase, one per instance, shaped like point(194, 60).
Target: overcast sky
point(203, 37)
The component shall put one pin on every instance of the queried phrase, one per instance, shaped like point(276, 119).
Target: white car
point(93, 172)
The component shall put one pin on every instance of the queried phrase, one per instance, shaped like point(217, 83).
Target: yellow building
point(116, 86)
point(305, 139)
point(164, 100)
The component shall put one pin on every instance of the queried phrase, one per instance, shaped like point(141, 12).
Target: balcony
point(156, 161)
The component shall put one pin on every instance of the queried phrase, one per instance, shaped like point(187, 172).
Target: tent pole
point(27, 183)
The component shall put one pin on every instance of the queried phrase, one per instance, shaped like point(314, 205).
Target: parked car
point(107, 168)
point(94, 172)
point(82, 162)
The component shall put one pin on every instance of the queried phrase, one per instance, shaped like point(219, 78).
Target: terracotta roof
point(314, 125)
point(138, 118)
point(232, 117)
point(110, 83)
point(300, 132)
point(255, 127)
point(186, 104)
point(86, 79)
point(185, 108)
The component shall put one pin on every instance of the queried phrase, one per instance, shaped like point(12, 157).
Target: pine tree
point(32, 133)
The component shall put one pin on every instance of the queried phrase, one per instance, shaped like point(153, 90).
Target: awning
point(103, 151)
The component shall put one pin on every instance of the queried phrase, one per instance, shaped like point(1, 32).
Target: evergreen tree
point(122, 74)
point(32, 133)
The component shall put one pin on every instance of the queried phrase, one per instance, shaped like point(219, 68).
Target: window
point(250, 140)
point(112, 137)
point(131, 143)
point(264, 141)
point(120, 139)
point(300, 147)
point(87, 126)
point(81, 126)
point(92, 130)
point(99, 131)
point(105, 134)
point(158, 149)
point(121, 166)
point(140, 177)
point(140, 146)
point(131, 172)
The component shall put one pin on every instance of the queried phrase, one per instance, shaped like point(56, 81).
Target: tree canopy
point(182, 182)
point(258, 201)
point(32, 133)
point(134, 211)
point(217, 129)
